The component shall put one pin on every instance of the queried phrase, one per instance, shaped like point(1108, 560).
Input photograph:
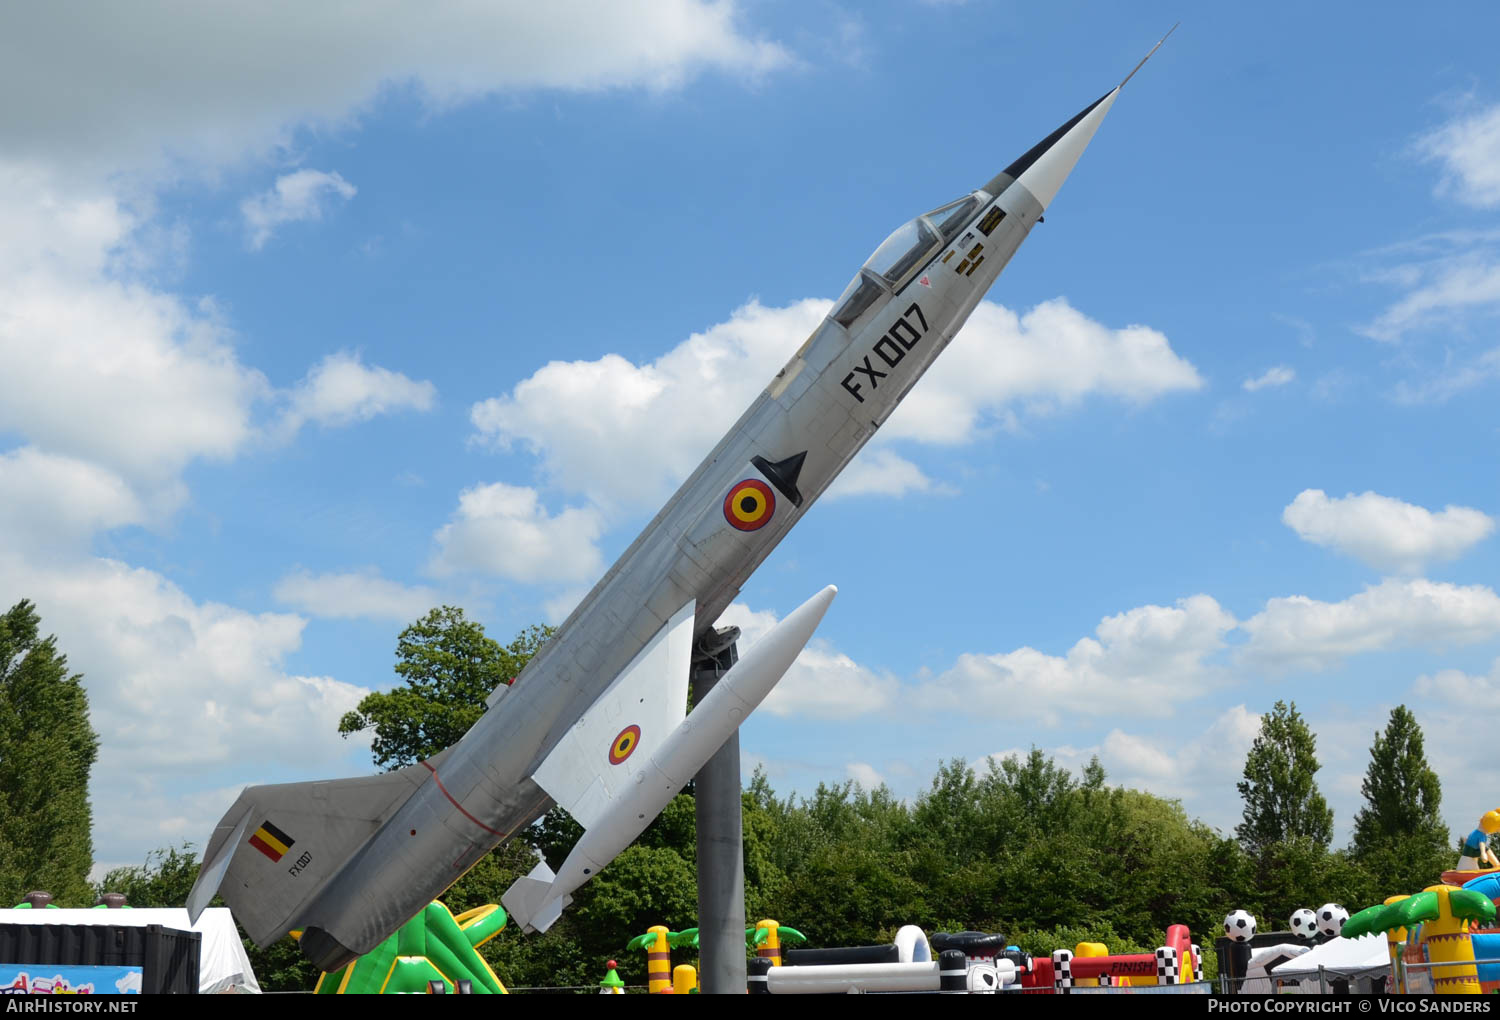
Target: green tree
point(1398, 835)
point(1281, 796)
point(47, 748)
point(163, 881)
point(450, 667)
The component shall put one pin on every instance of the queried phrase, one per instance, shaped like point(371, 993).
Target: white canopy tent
point(1359, 960)
point(222, 965)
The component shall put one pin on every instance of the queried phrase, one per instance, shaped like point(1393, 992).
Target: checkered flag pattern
point(1062, 969)
point(1166, 965)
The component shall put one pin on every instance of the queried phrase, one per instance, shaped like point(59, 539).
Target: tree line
point(1022, 846)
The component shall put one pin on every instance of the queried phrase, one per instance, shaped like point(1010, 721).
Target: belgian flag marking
point(271, 841)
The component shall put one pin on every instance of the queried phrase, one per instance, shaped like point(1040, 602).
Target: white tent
point(222, 965)
point(1368, 956)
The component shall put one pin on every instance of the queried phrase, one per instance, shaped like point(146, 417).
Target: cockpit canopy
point(902, 250)
point(909, 245)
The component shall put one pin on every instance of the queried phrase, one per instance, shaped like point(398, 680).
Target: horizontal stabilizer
point(530, 901)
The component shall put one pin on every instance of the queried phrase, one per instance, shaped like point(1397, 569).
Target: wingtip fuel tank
point(596, 722)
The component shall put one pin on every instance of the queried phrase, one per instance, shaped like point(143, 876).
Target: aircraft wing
point(613, 741)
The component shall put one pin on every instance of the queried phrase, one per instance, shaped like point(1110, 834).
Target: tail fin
point(278, 846)
point(530, 902)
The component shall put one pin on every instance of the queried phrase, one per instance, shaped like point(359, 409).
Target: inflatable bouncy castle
point(1176, 961)
point(1438, 919)
point(434, 951)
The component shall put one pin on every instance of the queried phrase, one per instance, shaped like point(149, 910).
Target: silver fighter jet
point(349, 861)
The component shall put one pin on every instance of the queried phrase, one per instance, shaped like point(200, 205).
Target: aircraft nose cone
point(1047, 164)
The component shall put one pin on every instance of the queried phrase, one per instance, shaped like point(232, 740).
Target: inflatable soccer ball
point(983, 978)
point(1331, 918)
point(1240, 926)
point(1304, 923)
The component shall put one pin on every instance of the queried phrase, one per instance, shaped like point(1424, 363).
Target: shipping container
point(166, 957)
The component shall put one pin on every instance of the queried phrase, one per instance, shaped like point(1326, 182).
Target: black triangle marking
point(783, 474)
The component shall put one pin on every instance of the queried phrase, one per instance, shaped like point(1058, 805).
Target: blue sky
point(309, 323)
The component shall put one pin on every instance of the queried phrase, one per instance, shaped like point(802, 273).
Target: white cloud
point(50, 230)
point(1455, 710)
point(341, 390)
point(129, 382)
point(1280, 375)
point(823, 683)
point(180, 684)
point(1138, 757)
point(104, 369)
point(556, 609)
point(1452, 277)
point(587, 420)
point(1468, 149)
point(1447, 280)
point(1451, 295)
point(110, 386)
point(361, 594)
point(1455, 687)
point(1451, 380)
point(504, 530)
point(1384, 532)
point(1051, 357)
point(1205, 764)
point(100, 369)
point(50, 499)
point(1144, 661)
point(141, 812)
point(1194, 766)
point(864, 774)
point(827, 684)
point(1298, 632)
point(230, 79)
point(879, 471)
point(1442, 292)
point(295, 197)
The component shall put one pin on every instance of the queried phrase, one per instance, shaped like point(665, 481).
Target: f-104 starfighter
point(601, 706)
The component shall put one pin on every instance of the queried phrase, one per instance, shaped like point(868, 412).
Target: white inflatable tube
point(853, 977)
point(911, 943)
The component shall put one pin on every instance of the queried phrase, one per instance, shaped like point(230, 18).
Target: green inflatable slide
point(433, 946)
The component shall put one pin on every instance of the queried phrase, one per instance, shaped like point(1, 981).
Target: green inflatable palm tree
point(1442, 911)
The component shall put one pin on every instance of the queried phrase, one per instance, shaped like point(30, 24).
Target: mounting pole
point(721, 856)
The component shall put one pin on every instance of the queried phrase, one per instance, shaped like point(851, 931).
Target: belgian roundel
point(625, 744)
point(749, 505)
